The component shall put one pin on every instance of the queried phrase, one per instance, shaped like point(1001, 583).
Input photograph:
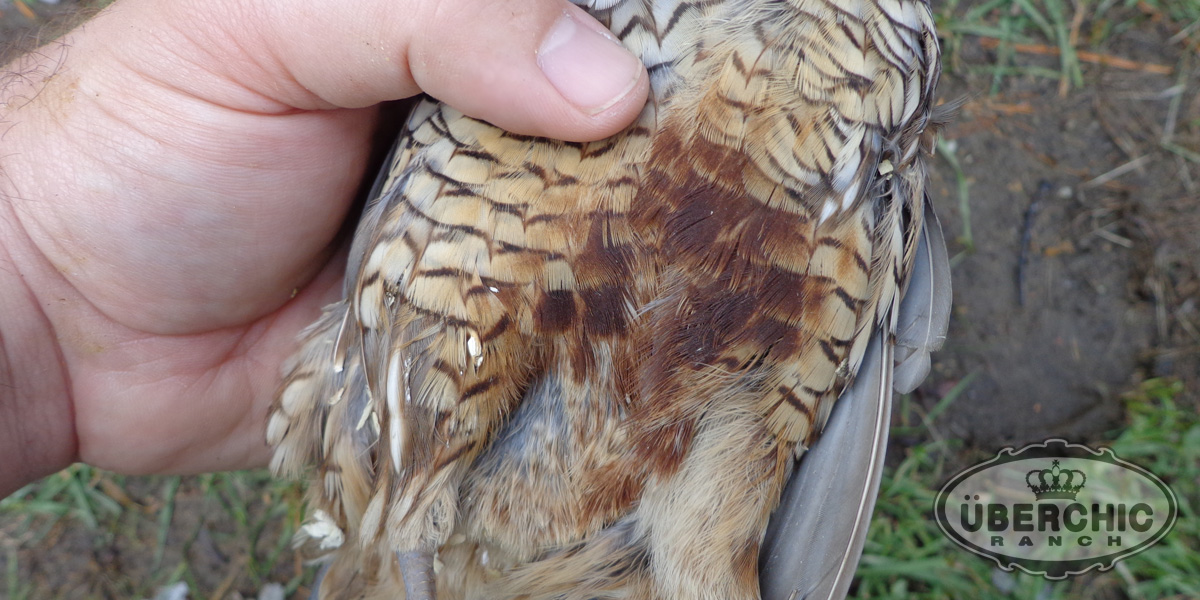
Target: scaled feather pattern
point(588, 370)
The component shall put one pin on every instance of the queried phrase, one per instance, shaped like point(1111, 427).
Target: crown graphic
point(1055, 483)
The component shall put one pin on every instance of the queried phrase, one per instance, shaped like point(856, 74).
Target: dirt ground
point(1108, 221)
point(1074, 228)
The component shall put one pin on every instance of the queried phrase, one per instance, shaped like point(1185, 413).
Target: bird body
point(586, 370)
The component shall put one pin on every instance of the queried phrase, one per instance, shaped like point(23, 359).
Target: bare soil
point(1108, 221)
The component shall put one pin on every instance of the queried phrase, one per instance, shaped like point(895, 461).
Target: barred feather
point(585, 370)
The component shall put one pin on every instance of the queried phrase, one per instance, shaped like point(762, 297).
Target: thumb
point(537, 67)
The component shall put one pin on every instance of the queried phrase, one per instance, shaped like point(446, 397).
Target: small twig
point(1035, 205)
point(1107, 60)
point(1185, 174)
point(1076, 23)
point(1184, 152)
point(25, 10)
point(1158, 290)
point(1117, 172)
point(1114, 238)
point(1184, 33)
point(1173, 108)
point(1118, 137)
point(1187, 326)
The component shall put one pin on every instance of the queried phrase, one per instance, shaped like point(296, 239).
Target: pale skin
point(172, 178)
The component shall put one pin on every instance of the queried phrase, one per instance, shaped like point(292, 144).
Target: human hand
point(174, 173)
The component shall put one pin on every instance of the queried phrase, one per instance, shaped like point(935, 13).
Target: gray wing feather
point(369, 222)
point(816, 536)
point(925, 309)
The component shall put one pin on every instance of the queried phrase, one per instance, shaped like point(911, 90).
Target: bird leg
point(416, 566)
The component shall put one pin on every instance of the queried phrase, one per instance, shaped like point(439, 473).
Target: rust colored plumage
point(585, 370)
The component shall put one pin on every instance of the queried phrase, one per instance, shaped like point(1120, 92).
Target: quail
point(589, 370)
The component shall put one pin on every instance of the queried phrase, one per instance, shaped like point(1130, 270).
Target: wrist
point(37, 431)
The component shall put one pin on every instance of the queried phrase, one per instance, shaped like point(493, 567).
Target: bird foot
point(416, 566)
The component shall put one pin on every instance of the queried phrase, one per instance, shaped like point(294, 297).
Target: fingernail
point(590, 69)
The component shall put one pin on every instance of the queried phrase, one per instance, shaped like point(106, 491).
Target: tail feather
point(321, 417)
point(301, 405)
